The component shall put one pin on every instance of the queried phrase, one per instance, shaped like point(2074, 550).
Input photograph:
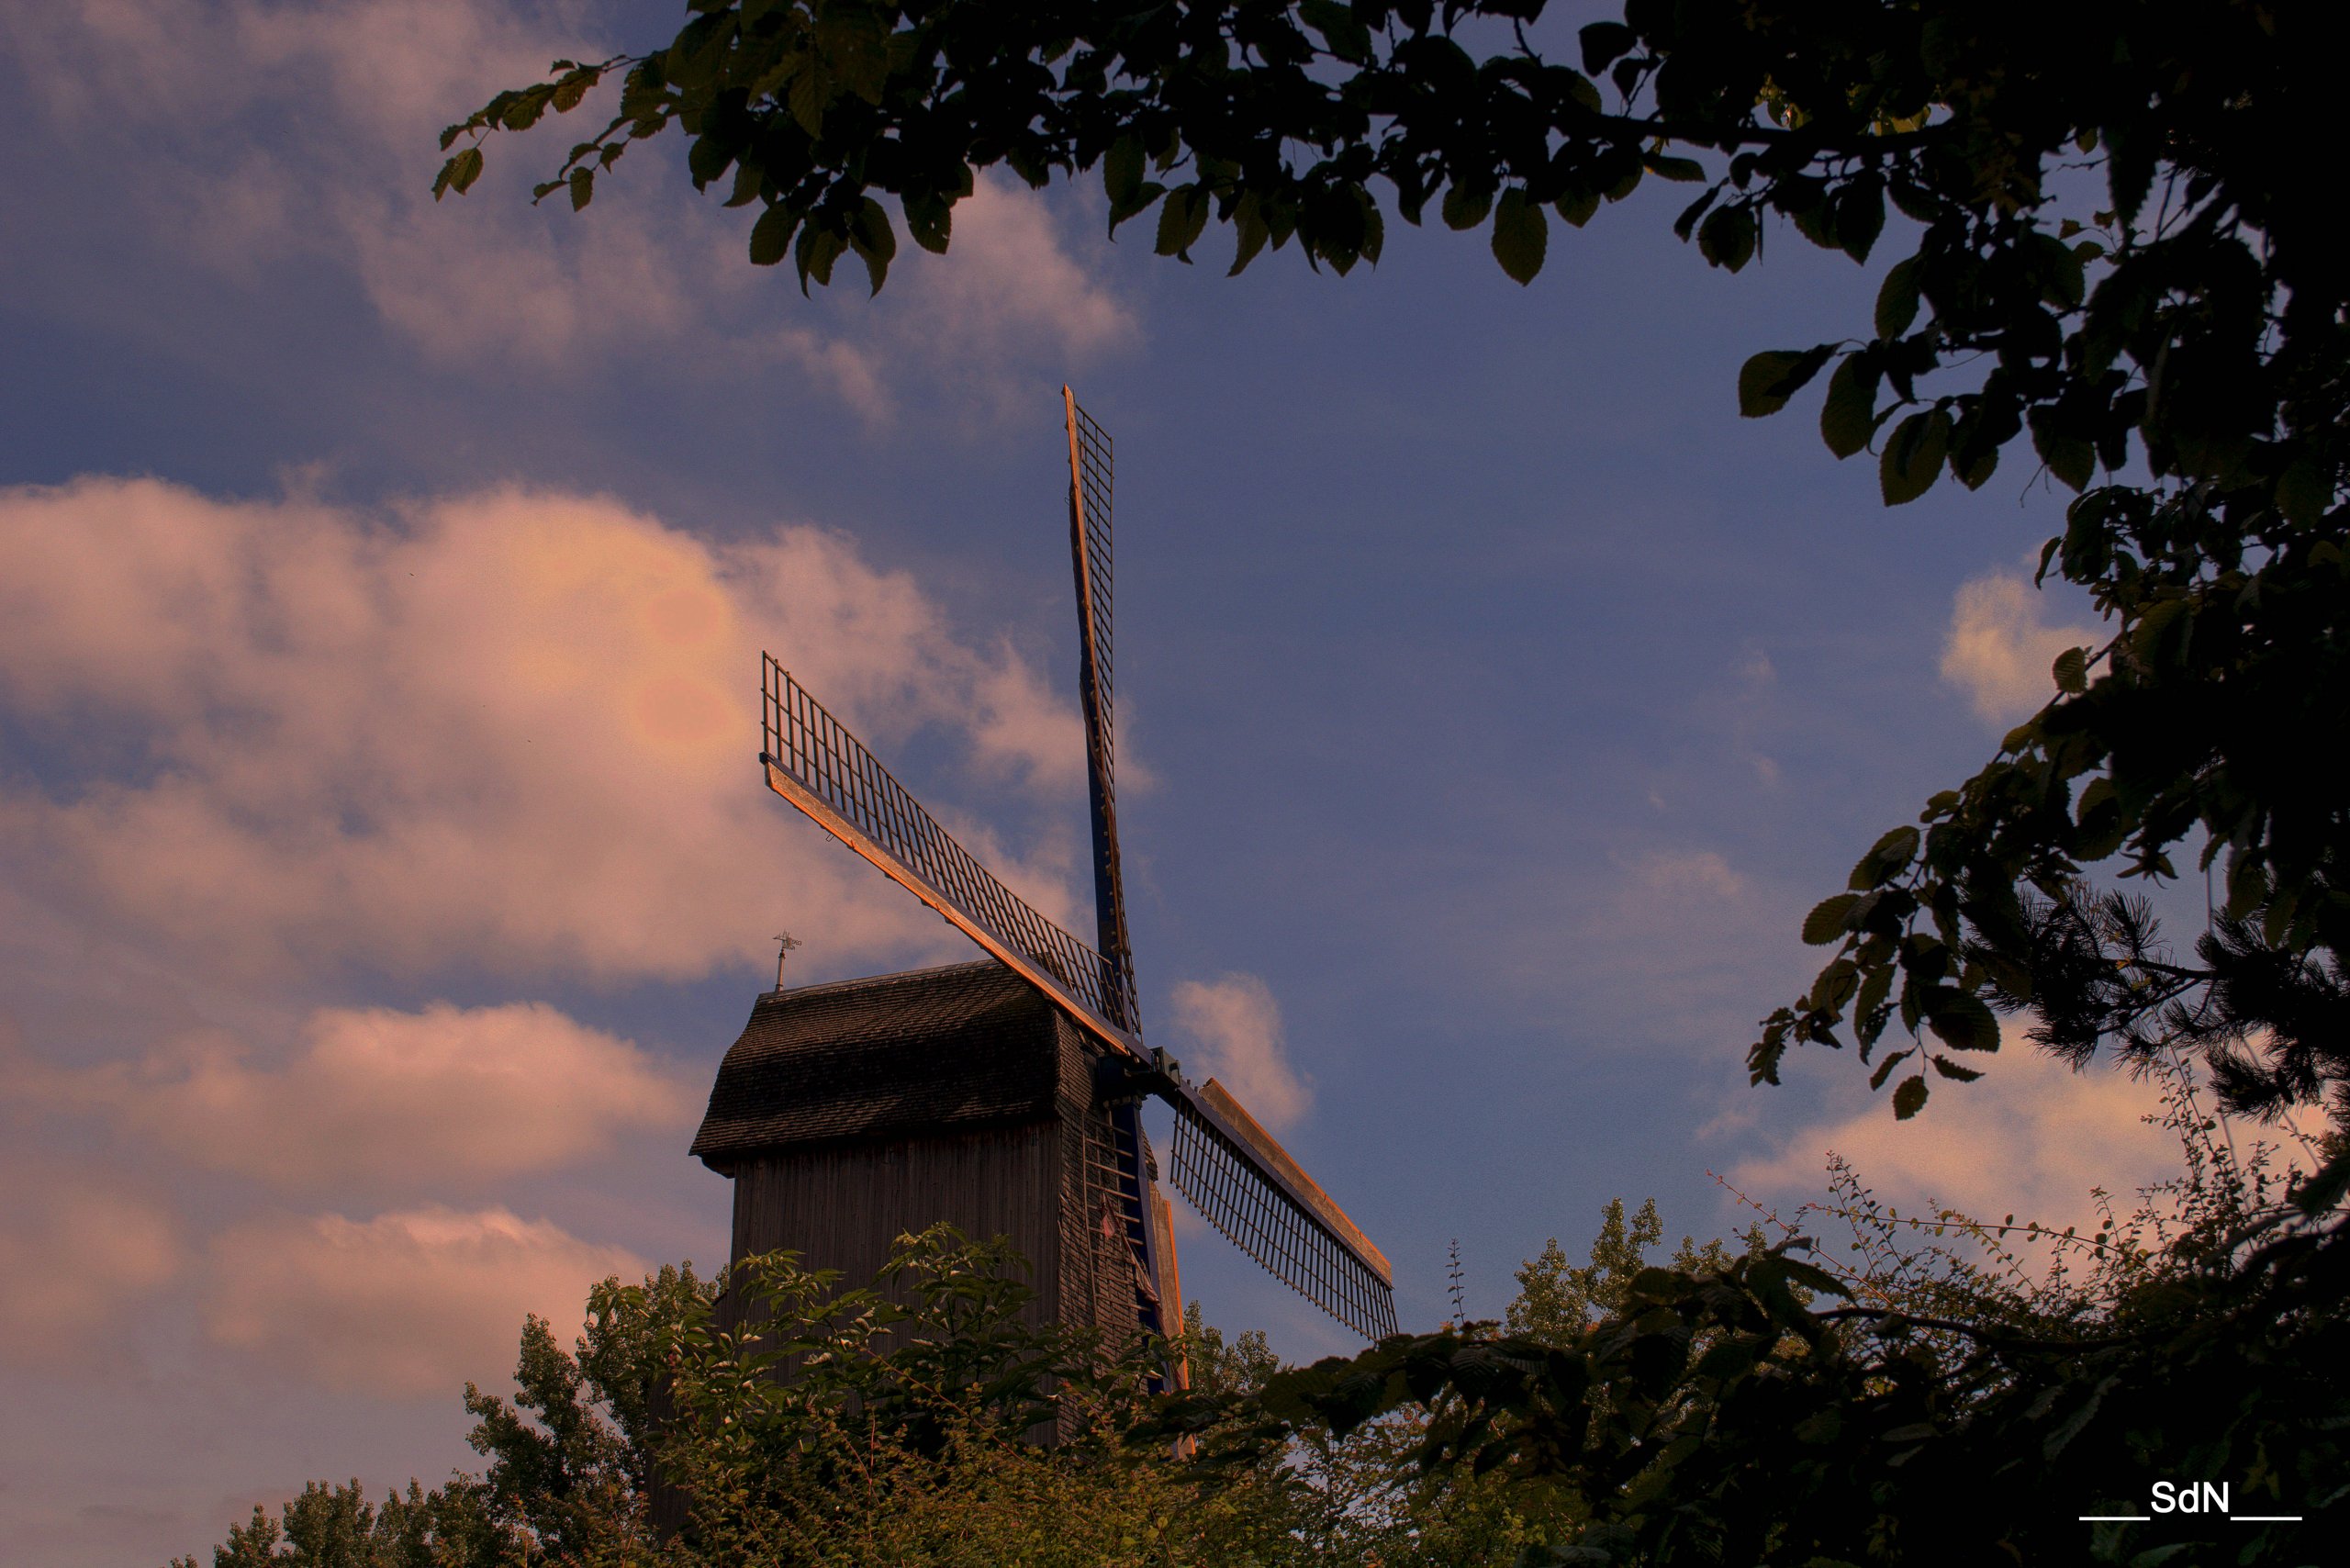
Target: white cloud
point(407, 1304)
point(77, 1250)
point(1233, 1027)
point(192, 104)
point(2000, 647)
point(506, 728)
point(2031, 1139)
point(405, 1099)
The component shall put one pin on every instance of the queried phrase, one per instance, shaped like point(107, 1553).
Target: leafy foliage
point(794, 1421)
point(1214, 1365)
point(1941, 1409)
point(336, 1526)
point(1556, 1302)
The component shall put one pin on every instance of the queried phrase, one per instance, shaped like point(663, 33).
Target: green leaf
point(1886, 858)
point(771, 235)
point(1465, 208)
point(1688, 222)
point(806, 100)
point(458, 173)
point(583, 188)
point(1909, 1097)
point(1914, 456)
point(1897, 299)
point(2304, 494)
point(2071, 671)
point(1825, 923)
point(1375, 226)
point(1767, 380)
point(1962, 1021)
point(1339, 28)
point(1576, 206)
point(1950, 1069)
point(1847, 418)
point(1248, 223)
point(1860, 216)
point(1885, 1069)
point(814, 255)
point(2071, 459)
point(931, 221)
point(1521, 235)
point(1727, 237)
point(874, 241)
point(1121, 172)
point(1812, 1277)
point(2247, 884)
point(1833, 987)
point(1866, 1023)
point(1603, 44)
point(574, 87)
point(1182, 220)
point(708, 158)
point(1687, 171)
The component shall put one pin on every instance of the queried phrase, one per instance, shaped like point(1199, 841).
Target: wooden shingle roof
point(931, 1051)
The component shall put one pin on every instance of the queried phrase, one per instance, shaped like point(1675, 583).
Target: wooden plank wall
point(842, 1205)
point(1049, 1186)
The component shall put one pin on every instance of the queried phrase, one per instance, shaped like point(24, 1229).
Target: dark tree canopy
point(2120, 270)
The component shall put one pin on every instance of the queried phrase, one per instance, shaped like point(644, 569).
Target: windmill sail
point(1090, 476)
point(1246, 1186)
point(814, 763)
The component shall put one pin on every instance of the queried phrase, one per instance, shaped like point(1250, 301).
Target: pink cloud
point(2031, 1139)
point(408, 1305)
point(2001, 645)
point(78, 1249)
point(505, 728)
point(407, 1100)
point(1232, 1027)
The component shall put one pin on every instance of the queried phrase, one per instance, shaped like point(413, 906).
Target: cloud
point(447, 1095)
point(2000, 648)
point(2031, 1138)
point(1008, 283)
point(77, 1250)
point(410, 1304)
point(507, 728)
point(192, 104)
point(1233, 1028)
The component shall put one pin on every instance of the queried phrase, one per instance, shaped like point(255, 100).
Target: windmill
point(1004, 1094)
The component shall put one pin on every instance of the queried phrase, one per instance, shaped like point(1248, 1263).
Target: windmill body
point(850, 1114)
point(1003, 1095)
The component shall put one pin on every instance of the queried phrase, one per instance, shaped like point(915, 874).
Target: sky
point(384, 863)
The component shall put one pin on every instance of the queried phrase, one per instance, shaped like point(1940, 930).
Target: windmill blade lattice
point(1090, 472)
point(814, 762)
point(1248, 1188)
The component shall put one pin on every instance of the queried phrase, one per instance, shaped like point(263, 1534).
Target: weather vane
point(785, 943)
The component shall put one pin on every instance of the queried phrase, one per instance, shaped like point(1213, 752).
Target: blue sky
point(383, 862)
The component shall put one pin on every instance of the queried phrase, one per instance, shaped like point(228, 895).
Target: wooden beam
point(1237, 1124)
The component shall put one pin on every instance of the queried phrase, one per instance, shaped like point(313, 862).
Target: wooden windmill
point(1003, 1095)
